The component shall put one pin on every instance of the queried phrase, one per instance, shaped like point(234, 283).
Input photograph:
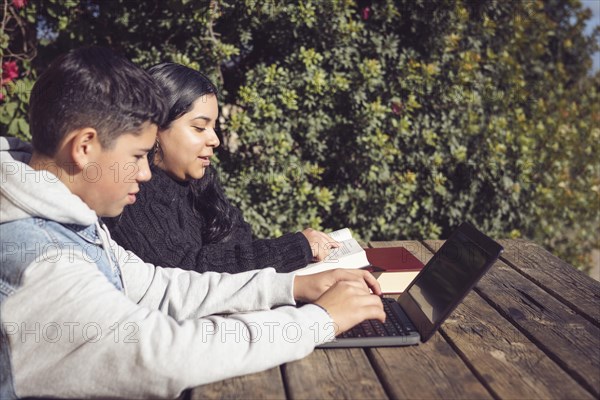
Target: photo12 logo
point(70, 332)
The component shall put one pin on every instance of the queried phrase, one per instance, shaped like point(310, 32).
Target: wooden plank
point(563, 281)
point(264, 385)
point(432, 370)
point(511, 365)
point(567, 338)
point(333, 374)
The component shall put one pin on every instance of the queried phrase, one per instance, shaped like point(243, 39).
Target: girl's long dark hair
point(182, 87)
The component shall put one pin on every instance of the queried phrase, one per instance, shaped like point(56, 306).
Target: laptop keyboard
point(396, 324)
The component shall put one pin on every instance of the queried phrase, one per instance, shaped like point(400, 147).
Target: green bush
point(398, 119)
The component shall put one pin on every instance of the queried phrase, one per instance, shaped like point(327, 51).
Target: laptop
point(439, 288)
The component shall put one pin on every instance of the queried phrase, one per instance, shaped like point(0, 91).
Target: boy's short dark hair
point(92, 87)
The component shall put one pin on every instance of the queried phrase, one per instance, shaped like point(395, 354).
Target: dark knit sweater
point(163, 228)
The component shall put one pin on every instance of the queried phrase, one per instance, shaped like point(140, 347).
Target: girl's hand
point(320, 243)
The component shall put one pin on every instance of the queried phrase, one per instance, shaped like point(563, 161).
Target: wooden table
point(530, 329)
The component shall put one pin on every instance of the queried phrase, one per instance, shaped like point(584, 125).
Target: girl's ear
point(83, 145)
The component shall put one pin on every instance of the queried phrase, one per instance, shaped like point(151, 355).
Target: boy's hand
point(309, 288)
point(349, 305)
point(320, 243)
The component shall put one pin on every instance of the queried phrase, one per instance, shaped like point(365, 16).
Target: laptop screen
point(449, 275)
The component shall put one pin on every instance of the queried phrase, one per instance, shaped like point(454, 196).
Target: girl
point(181, 217)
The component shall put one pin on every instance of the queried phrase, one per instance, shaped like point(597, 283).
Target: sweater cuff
point(323, 327)
point(306, 249)
point(294, 250)
point(283, 289)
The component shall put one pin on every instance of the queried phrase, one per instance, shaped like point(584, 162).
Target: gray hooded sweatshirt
point(82, 317)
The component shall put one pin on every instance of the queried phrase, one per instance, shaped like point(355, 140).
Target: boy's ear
point(83, 145)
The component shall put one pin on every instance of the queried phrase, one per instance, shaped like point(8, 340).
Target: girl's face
point(188, 144)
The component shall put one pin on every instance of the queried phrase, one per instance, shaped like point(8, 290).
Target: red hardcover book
point(393, 259)
point(393, 267)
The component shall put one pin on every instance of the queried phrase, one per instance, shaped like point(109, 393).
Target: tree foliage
point(398, 119)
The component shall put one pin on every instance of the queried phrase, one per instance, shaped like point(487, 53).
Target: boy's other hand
point(349, 305)
point(320, 243)
point(309, 288)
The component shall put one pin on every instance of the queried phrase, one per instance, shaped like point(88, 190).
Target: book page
point(395, 282)
point(347, 247)
point(341, 235)
point(348, 255)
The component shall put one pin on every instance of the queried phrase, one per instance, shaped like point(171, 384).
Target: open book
point(394, 267)
point(348, 255)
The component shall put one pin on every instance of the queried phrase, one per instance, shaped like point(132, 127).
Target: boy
point(83, 317)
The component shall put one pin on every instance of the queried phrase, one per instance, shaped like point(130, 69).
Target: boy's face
point(111, 181)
